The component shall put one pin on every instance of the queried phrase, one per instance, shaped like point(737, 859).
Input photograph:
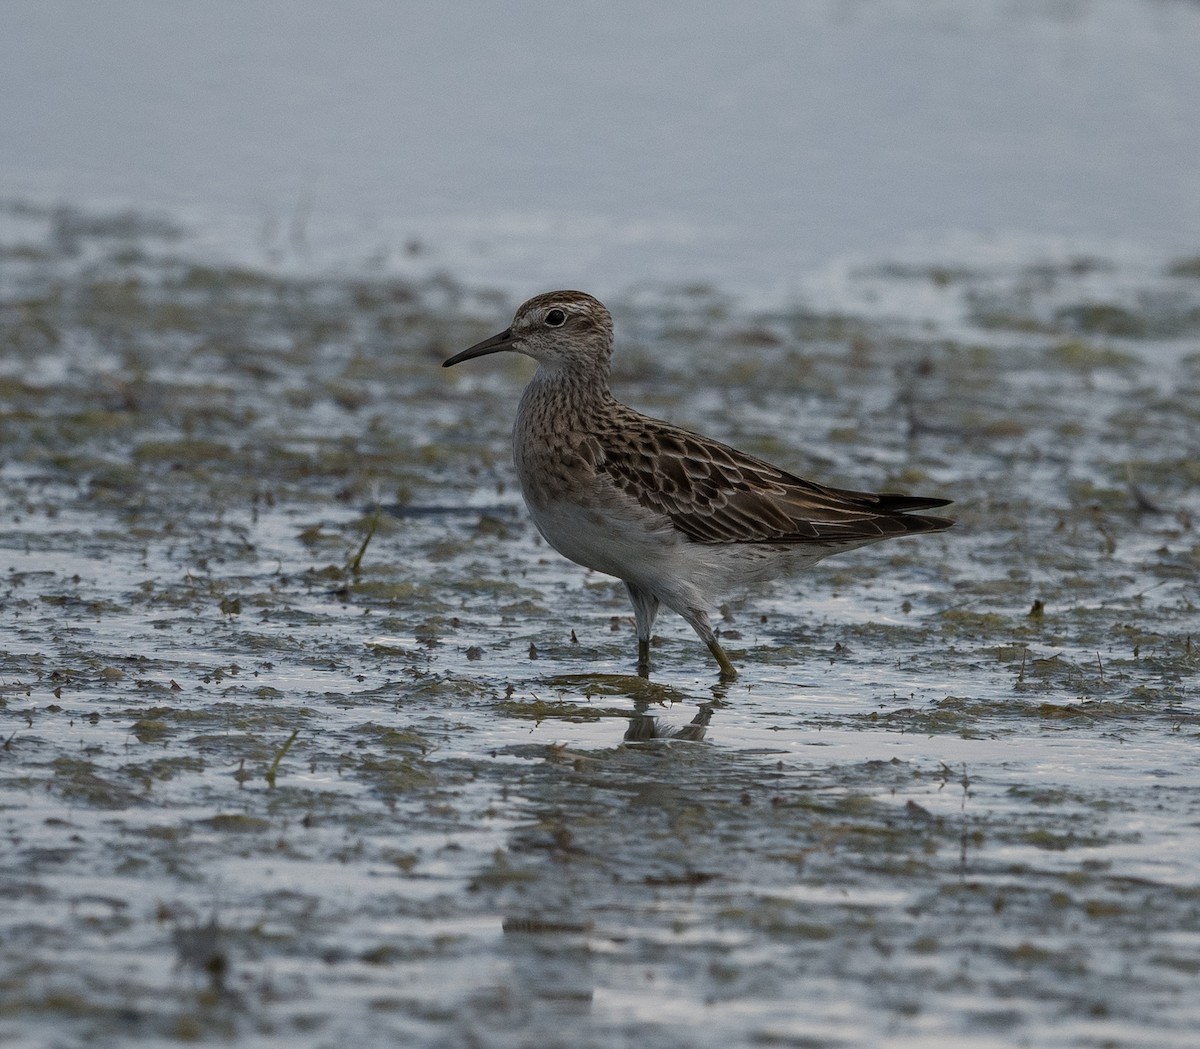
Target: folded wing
point(716, 494)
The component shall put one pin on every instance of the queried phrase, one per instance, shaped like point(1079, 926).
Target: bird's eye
point(555, 319)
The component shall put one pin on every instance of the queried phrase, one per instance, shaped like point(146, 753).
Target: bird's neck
point(568, 392)
point(558, 401)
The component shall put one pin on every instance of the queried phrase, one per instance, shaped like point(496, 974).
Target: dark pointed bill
point(481, 349)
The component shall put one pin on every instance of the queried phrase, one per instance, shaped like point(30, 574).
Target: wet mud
point(307, 738)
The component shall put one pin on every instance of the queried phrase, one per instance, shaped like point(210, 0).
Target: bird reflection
point(650, 699)
point(644, 726)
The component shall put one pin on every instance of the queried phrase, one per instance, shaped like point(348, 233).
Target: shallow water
point(251, 792)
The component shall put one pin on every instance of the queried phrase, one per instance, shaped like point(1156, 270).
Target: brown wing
point(716, 494)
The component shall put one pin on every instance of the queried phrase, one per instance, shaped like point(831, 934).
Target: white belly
point(644, 548)
point(625, 547)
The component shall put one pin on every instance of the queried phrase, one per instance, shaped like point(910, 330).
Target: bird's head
point(561, 330)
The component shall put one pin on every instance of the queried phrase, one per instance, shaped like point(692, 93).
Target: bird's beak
point(495, 344)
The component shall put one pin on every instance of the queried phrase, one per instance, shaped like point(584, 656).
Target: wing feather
point(716, 494)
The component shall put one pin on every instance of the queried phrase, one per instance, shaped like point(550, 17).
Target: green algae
point(306, 740)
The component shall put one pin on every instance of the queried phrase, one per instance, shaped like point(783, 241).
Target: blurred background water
point(606, 145)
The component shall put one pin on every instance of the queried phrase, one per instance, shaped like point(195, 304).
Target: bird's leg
point(728, 670)
point(698, 620)
point(643, 664)
point(645, 609)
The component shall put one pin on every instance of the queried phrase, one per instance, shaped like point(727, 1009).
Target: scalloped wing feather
point(716, 494)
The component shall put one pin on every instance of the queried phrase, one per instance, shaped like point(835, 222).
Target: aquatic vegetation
point(297, 708)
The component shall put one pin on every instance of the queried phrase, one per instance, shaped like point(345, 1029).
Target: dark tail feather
point(922, 523)
point(903, 505)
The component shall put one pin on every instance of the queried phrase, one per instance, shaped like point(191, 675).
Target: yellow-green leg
point(728, 670)
point(698, 620)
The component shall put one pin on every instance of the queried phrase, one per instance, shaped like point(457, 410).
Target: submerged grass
point(280, 754)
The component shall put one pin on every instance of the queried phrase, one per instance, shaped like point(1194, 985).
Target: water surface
point(255, 786)
point(609, 145)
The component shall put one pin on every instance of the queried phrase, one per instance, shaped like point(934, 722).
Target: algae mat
point(308, 740)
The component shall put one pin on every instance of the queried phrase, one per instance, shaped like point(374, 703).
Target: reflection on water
point(644, 726)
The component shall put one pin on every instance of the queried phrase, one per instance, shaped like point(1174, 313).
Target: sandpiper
point(678, 517)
